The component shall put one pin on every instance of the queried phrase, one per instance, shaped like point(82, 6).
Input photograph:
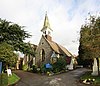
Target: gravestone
point(99, 63)
point(71, 65)
point(34, 61)
point(17, 64)
point(9, 72)
point(95, 68)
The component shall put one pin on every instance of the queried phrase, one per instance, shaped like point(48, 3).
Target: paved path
point(66, 79)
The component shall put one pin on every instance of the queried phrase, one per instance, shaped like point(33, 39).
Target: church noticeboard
point(48, 65)
point(0, 67)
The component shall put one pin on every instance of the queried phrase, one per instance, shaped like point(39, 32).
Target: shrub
point(34, 68)
point(56, 67)
point(85, 62)
point(25, 67)
point(59, 65)
point(3, 79)
point(44, 69)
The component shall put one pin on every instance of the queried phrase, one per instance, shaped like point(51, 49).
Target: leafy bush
point(3, 79)
point(56, 67)
point(85, 62)
point(34, 68)
point(59, 65)
point(44, 69)
point(25, 67)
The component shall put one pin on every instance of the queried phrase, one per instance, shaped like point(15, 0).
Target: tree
point(7, 56)
point(14, 35)
point(90, 39)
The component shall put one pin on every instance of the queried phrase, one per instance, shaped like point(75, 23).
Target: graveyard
point(50, 43)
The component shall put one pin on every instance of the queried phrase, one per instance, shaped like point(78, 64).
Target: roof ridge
point(59, 48)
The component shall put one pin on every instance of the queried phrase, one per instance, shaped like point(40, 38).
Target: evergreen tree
point(12, 38)
point(90, 39)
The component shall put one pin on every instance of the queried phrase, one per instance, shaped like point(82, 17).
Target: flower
point(93, 79)
point(84, 81)
point(88, 81)
point(48, 73)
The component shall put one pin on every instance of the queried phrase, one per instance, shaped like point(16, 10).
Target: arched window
point(42, 55)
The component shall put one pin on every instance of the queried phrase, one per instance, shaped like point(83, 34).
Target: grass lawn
point(5, 80)
point(89, 76)
point(13, 79)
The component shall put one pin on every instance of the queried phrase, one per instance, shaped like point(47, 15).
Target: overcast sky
point(65, 17)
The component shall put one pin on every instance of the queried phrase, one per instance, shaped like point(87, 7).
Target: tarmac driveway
point(69, 78)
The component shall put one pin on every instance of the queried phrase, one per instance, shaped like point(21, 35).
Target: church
point(48, 50)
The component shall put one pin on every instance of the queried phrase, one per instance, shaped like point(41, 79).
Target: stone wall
point(43, 44)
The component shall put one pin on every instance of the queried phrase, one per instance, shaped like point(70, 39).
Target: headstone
point(34, 61)
point(17, 65)
point(71, 65)
point(0, 67)
point(9, 72)
point(95, 68)
point(99, 63)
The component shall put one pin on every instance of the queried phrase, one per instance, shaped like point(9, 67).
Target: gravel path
point(65, 79)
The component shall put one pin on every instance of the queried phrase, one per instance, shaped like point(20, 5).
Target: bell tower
point(46, 28)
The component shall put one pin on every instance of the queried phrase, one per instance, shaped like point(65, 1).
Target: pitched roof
point(65, 51)
point(58, 48)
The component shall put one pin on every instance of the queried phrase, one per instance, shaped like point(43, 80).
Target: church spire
point(46, 25)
